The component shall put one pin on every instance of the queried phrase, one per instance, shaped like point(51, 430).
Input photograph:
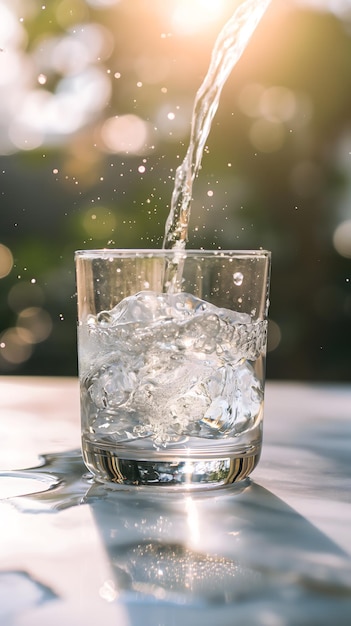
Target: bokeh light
point(126, 134)
point(342, 239)
point(274, 335)
point(73, 52)
point(23, 295)
point(276, 111)
point(15, 346)
point(6, 261)
point(36, 324)
point(55, 88)
point(266, 135)
point(278, 104)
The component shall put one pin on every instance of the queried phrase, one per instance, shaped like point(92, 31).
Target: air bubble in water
point(238, 278)
point(104, 318)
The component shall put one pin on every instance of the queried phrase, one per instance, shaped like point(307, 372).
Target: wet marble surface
point(272, 551)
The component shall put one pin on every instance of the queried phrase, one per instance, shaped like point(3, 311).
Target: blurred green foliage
point(277, 164)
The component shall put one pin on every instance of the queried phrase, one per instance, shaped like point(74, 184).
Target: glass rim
point(105, 253)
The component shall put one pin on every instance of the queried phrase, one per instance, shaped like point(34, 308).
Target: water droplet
point(210, 193)
point(141, 169)
point(238, 278)
point(42, 79)
point(171, 116)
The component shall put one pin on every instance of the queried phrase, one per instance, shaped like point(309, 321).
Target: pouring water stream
point(229, 47)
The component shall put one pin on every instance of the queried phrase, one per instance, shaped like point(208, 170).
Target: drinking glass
point(171, 354)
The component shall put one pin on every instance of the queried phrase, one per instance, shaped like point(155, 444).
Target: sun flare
point(192, 16)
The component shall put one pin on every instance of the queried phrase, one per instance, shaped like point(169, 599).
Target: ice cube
point(112, 385)
point(169, 365)
point(234, 398)
point(248, 398)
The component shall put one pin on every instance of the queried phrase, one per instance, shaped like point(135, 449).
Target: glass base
point(108, 466)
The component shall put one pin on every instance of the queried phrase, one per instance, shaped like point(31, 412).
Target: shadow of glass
point(239, 547)
point(235, 555)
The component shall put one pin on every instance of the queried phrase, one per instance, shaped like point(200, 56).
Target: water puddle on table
point(28, 592)
point(239, 545)
point(59, 482)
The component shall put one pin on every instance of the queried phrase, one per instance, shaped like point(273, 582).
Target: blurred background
point(95, 109)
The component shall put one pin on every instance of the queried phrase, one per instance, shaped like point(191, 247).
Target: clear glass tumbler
point(171, 351)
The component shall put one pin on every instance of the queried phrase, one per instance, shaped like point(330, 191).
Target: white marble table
point(273, 551)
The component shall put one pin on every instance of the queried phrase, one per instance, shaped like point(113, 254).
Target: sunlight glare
point(191, 16)
point(192, 520)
